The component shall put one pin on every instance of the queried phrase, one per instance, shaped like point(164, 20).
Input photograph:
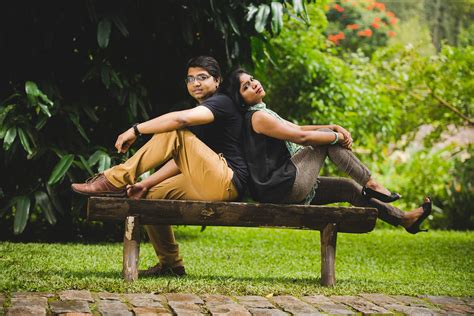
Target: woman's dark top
point(272, 173)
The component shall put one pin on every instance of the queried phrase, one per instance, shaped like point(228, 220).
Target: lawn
point(244, 261)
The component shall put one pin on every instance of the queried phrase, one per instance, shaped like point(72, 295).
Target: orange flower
point(376, 19)
point(390, 14)
point(375, 25)
point(393, 21)
point(335, 38)
point(352, 26)
point(391, 33)
point(365, 33)
point(379, 6)
point(338, 8)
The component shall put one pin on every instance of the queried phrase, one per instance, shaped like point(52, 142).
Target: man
point(199, 151)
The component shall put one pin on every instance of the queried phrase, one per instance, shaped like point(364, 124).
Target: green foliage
point(381, 100)
point(363, 25)
point(249, 261)
point(67, 92)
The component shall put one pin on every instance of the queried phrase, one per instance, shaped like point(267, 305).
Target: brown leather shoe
point(160, 270)
point(98, 185)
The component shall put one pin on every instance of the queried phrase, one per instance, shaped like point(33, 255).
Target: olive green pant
point(204, 176)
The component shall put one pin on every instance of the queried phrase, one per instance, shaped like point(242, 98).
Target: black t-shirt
point(224, 135)
point(272, 173)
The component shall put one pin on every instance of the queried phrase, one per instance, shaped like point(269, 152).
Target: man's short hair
point(208, 63)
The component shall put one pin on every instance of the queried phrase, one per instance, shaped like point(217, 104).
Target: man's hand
point(125, 140)
point(347, 142)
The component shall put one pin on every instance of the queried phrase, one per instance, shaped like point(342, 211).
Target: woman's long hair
point(231, 87)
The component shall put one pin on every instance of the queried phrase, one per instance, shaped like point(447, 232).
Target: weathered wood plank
point(131, 248)
point(328, 255)
point(173, 212)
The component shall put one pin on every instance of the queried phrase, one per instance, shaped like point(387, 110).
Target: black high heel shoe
point(415, 227)
point(368, 192)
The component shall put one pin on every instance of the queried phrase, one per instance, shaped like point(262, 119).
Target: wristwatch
point(135, 129)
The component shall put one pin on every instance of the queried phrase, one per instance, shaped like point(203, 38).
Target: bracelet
point(135, 129)
point(336, 140)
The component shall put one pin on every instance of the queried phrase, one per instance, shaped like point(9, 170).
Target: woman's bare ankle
point(374, 185)
point(410, 217)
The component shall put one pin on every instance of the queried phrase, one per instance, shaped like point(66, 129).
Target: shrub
point(363, 25)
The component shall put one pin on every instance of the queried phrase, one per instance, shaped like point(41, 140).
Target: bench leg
point(131, 248)
point(328, 255)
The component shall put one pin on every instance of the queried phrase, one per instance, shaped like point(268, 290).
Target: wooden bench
point(328, 220)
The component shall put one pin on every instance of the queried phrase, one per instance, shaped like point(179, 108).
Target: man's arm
point(165, 123)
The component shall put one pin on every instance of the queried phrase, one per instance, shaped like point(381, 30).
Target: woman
point(284, 160)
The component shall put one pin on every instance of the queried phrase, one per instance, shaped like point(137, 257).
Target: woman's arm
point(264, 123)
point(310, 127)
point(347, 136)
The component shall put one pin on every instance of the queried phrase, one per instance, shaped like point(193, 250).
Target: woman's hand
point(136, 191)
point(125, 140)
point(346, 142)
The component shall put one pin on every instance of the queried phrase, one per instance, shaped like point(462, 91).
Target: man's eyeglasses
point(200, 78)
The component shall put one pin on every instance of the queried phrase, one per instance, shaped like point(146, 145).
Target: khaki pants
point(204, 176)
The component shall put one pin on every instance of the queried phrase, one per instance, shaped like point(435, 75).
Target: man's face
point(201, 85)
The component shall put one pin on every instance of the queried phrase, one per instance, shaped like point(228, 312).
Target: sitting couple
point(200, 155)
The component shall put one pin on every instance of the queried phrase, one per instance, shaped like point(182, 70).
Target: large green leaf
point(60, 169)
point(90, 113)
point(261, 18)
point(75, 120)
point(103, 33)
point(21, 214)
point(9, 138)
point(251, 12)
point(277, 17)
point(233, 24)
point(42, 200)
point(4, 112)
point(104, 163)
point(32, 90)
point(86, 165)
point(44, 108)
point(120, 25)
point(24, 141)
point(298, 6)
point(53, 195)
point(95, 157)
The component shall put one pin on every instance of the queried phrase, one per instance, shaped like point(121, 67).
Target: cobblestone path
point(75, 303)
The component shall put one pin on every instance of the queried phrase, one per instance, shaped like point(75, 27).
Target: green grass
point(241, 261)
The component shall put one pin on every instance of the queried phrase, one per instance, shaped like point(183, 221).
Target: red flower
point(377, 19)
point(335, 38)
point(391, 33)
point(375, 25)
point(338, 8)
point(365, 33)
point(352, 26)
point(379, 6)
point(393, 21)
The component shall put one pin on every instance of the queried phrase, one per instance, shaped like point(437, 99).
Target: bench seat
point(329, 220)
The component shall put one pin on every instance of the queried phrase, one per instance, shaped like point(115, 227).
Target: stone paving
point(78, 303)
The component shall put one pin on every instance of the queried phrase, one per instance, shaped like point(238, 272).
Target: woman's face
point(251, 90)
